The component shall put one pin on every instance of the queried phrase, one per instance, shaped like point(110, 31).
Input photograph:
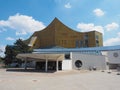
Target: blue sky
point(20, 18)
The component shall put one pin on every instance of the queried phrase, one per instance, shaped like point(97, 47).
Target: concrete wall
point(112, 57)
point(67, 65)
point(89, 61)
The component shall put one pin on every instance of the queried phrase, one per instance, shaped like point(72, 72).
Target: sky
point(21, 18)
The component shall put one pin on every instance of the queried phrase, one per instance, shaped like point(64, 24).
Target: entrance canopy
point(38, 56)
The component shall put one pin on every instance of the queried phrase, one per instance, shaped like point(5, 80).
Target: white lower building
point(99, 58)
point(112, 58)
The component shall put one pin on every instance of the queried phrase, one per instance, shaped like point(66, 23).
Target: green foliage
point(9, 54)
point(12, 50)
point(21, 47)
point(0, 60)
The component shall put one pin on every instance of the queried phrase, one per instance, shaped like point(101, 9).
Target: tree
point(12, 50)
point(21, 47)
point(8, 54)
point(0, 56)
point(1, 59)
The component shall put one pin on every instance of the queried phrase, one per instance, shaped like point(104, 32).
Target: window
point(67, 56)
point(78, 63)
point(115, 54)
point(63, 42)
point(77, 43)
point(86, 40)
point(86, 43)
point(97, 37)
point(81, 43)
point(97, 43)
point(86, 36)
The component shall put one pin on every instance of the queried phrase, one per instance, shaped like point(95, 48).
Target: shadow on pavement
point(28, 70)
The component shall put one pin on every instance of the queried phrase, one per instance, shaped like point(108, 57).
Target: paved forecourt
point(62, 80)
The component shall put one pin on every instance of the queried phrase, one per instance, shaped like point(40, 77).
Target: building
point(57, 47)
point(100, 58)
point(56, 34)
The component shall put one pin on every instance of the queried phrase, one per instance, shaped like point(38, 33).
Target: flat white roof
point(87, 50)
point(38, 56)
point(104, 48)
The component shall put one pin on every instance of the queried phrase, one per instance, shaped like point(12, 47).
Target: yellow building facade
point(56, 34)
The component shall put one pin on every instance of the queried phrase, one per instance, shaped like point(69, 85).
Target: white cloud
point(2, 50)
point(118, 34)
point(113, 41)
point(90, 27)
point(98, 12)
point(112, 26)
point(10, 39)
point(21, 33)
point(23, 24)
point(68, 5)
point(2, 29)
